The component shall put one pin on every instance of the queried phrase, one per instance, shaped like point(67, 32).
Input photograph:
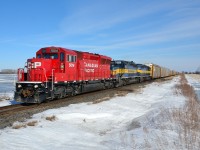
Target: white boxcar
point(165, 72)
point(155, 70)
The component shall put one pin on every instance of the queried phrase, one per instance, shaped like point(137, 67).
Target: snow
point(129, 122)
point(195, 82)
point(8, 102)
point(7, 85)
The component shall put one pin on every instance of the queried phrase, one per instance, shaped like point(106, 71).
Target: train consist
point(58, 72)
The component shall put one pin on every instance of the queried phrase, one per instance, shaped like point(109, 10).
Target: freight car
point(58, 72)
point(157, 71)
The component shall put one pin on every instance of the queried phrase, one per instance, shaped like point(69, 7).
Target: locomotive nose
point(36, 70)
point(39, 69)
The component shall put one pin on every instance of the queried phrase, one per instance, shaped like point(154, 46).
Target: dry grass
point(101, 100)
point(32, 123)
point(4, 97)
point(51, 118)
point(121, 93)
point(188, 117)
point(24, 125)
point(18, 126)
point(124, 92)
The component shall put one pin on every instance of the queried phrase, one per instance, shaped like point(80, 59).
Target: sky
point(166, 33)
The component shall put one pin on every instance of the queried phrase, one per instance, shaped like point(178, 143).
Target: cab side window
point(38, 55)
point(71, 58)
point(62, 56)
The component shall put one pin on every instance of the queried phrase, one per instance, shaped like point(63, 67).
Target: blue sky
point(165, 32)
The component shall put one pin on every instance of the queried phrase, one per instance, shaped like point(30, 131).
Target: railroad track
point(10, 108)
point(6, 110)
point(20, 107)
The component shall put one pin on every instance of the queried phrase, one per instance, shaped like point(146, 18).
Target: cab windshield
point(48, 56)
point(140, 67)
point(116, 65)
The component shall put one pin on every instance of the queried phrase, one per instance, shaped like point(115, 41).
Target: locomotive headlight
point(19, 86)
point(35, 86)
point(62, 66)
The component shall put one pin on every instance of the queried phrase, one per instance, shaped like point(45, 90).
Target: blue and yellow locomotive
point(127, 72)
point(123, 69)
point(143, 72)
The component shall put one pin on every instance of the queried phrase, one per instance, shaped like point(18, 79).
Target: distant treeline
point(185, 72)
point(8, 71)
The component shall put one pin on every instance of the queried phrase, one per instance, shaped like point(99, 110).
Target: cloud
point(175, 31)
point(104, 15)
point(104, 22)
point(104, 18)
point(109, 18)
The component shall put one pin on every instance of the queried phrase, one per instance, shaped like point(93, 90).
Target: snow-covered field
point(7, 86)
point(135, 121)
point(194, 80)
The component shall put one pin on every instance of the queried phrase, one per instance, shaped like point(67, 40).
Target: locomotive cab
point(52, 59)
point(116, 68)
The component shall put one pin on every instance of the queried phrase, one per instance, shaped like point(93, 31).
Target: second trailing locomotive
point(58, 72)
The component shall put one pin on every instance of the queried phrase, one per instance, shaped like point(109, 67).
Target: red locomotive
point(58, 72)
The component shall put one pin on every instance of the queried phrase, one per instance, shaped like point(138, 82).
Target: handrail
point(52, 80)
point(45, 75)
point(20, 74)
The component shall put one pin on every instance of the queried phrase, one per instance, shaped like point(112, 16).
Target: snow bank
point(8, 102)
point(121, 123)
point(195, 82)
point(7, 86)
